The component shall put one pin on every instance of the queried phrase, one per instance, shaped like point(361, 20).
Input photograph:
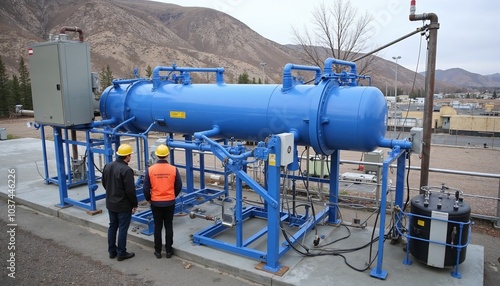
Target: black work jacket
point(118, 180)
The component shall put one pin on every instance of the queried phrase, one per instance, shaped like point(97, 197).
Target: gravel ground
point(52, 251)
point(45, 262)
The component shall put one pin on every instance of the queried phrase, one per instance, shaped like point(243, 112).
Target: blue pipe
point(331, 61)
point(287, 74)
point(123, 123)
point(155, 77)
point(209, 133)
point(149, 128)
point(390, 143)
point(100, 123)
point(117, 82)
point(366, 77)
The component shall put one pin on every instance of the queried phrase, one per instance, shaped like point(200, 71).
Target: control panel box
point(416, 134)
point(376, 156)
point(287, 147)
point(61, 83)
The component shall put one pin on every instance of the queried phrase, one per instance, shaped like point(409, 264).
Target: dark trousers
point(163, 217)
point(118, 222)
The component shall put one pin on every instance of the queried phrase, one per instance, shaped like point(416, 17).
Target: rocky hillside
point(126, 34)
point(463, 78)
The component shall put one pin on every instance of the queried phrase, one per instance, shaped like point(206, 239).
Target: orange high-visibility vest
point(162, 178)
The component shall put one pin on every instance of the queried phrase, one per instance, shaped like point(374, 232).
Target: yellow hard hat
point(124, 150)
point(162, 151)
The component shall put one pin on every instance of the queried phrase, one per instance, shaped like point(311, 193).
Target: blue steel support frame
point(395, 154)
point(270, 212)
point(110, 142)
point(61, 172)
point(63, 180)
point(194, 196)
point(273, 213)
point(65, 145)
point(238, 212)
point(63, 162)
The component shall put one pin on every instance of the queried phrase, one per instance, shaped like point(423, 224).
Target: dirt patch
point(45, 262)
point(22, 127)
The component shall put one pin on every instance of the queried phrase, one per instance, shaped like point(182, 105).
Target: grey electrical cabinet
point(61, 83)
point(376, 156)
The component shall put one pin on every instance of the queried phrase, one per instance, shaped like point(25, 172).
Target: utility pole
point(395, 96)
point(429, 89)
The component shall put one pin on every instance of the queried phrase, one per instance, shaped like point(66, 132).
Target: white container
point(3, 134)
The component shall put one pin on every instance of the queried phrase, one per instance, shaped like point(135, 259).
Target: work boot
point(170, 253)
point(126, 255)
point(158, 254)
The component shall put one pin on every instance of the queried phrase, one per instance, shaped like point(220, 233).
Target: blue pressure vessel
point(325, 115)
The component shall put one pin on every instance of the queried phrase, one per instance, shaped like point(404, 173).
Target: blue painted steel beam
point(61, 174)
point(394, 154)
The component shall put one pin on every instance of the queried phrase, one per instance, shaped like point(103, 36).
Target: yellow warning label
point(272, 159)
point(421, 222)
point(178, 114)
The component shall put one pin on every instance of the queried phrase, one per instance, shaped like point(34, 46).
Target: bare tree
point(339, 32)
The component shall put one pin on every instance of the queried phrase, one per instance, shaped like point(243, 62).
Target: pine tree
point(15, 93)
point(4, 90)
point(105, 77)
point(149, 71)
point(25, 86)
point(243, 78)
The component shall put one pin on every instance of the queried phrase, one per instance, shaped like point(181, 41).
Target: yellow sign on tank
point(178, 114)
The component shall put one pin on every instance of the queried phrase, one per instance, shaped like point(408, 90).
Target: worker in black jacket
point(121, 201)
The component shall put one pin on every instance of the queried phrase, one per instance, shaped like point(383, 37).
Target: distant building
point(390, 99)
point(466, 106)
point(438, 96)
point(403, 98)
point(449, 120)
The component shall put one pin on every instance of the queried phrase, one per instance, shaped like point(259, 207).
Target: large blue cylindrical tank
point(326, 116)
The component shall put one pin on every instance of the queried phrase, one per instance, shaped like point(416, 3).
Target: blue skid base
point(182, 203)
point(242, 246)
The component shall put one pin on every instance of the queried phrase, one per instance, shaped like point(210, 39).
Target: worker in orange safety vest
point(162, 184)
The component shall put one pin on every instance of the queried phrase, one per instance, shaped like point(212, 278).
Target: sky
point(468, 37)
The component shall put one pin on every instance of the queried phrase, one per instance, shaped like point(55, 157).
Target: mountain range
point(128, 34)
point(463, 78)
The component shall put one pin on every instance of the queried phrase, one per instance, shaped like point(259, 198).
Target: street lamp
point(395, 93)
point(263, 65)
point(396, 82)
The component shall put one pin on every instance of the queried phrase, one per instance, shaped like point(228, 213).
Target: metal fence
point(492, 215)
